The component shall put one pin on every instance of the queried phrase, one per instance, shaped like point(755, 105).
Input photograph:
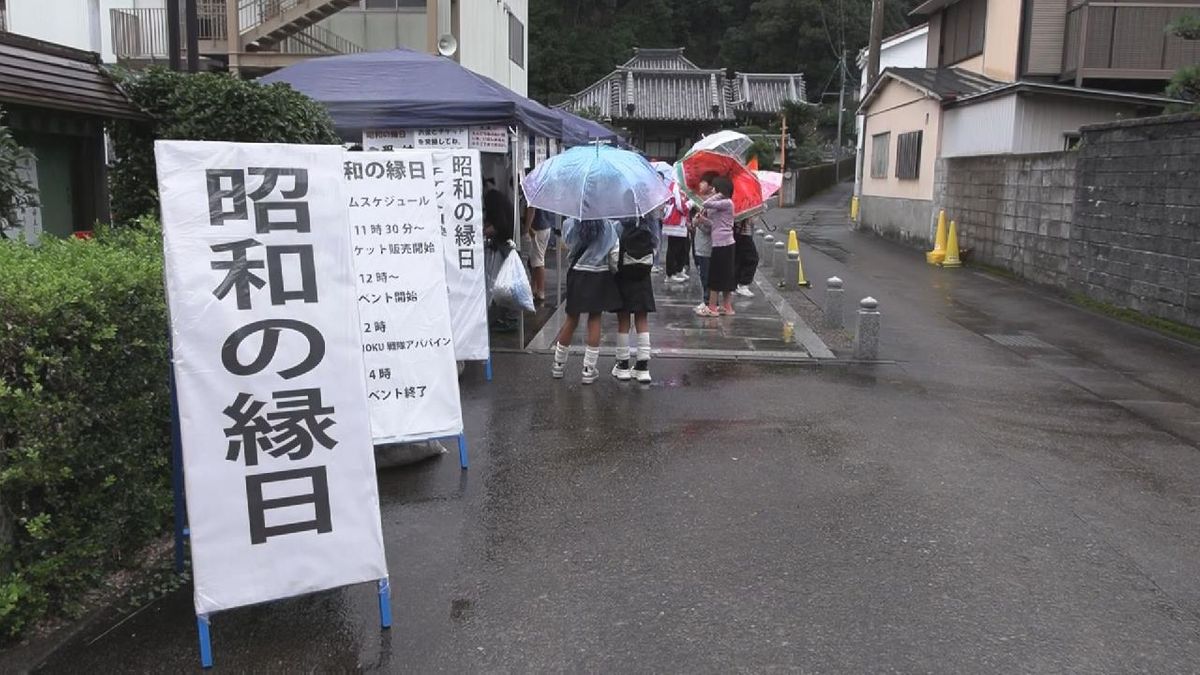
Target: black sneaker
point(621, 370)
point(641, 371)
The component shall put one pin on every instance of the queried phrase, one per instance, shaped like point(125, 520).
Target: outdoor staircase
point(268, 23)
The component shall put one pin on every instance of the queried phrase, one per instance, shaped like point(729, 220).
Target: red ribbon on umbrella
point(747, 191)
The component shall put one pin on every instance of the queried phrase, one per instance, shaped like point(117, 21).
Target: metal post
point(173, 26)
point(192, 20)
point(206, 657)
point(233, 40)
point(833, 302)
point(866, 336)
point(462, 450)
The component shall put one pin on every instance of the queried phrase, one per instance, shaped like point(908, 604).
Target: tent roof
point(402, 88)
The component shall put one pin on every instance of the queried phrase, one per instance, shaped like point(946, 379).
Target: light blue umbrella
point(594, 182)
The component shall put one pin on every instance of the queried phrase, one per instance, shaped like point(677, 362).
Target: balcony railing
point(1126, 39)
point(141, 34)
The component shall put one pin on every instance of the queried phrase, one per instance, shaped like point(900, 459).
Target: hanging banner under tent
point(458, 176)
point(278, 460)
point(399, 252)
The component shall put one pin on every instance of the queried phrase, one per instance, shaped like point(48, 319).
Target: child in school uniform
point(675, 228)
point(639, 239)
point(717, 213)
point(591, 290)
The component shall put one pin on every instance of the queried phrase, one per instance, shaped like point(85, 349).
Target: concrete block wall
point(1012, 211)
point(1136, 233)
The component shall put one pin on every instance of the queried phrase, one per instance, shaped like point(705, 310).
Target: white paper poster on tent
point(408, 349)
point(491, 138)
point(541, 150)
point(388, 139)
point(278, 460)
point(460, 194)
point(442, 138)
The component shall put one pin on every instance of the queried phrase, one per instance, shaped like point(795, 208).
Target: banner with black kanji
point(403, 302)
point(278, 463)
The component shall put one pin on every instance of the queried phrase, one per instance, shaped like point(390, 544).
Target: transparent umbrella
point(730, 143)
point(596, 181)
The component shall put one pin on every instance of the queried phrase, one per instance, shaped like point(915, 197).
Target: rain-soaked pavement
point(1016, 491)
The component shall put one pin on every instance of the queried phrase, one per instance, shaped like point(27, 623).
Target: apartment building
point(490, 34)
point(1008, 77)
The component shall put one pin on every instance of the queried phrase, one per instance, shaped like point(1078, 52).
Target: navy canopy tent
point(580, 131)
point(402, 88)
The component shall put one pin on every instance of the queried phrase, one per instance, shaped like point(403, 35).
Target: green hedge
point(202, 107)
point(84, 416)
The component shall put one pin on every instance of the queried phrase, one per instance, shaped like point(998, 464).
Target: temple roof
point(663, 85)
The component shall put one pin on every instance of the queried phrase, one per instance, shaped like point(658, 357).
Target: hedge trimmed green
point(85, 438)
point(202, 107)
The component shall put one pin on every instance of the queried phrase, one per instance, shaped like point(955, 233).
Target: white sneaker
point(684, 276)
point(744, 291)
point(621, 372)
point(556, 370)
point(678, 278)
point(590, 374)
point(641, 370)
point(656, 270)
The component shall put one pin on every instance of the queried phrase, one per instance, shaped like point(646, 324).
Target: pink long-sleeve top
point(718, 209)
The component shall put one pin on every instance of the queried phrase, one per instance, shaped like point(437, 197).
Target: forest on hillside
point(575, 42)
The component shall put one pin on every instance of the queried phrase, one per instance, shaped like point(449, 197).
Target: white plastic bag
point(511, 288)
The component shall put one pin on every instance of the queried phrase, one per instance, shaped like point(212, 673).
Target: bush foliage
point(85, 439)
point(202, 107)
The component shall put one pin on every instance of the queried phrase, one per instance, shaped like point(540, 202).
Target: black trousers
point(746, 256)
point(678, 249)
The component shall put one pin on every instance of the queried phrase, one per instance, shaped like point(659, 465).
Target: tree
point(1185, 84)
point(16, 193)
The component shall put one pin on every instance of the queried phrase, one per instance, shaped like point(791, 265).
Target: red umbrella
point(747, 191)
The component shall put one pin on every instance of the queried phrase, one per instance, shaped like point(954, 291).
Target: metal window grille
point(879, 154)
point(908, 155)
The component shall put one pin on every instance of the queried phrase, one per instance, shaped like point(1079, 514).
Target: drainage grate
point(1018, 340)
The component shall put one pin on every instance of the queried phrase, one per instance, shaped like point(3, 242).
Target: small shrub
point(202, 107)
point(85, 439)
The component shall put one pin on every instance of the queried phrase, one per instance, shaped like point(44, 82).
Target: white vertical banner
point(278, 460)
point(458, 178)
point(404, 307)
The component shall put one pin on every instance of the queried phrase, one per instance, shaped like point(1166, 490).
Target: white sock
point(623, 347)
point(643, 346)
point(591, 355)
point(561, 353)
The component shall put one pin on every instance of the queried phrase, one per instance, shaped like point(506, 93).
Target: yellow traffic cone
point(938, 254)
point(951, 256)
point(793, 252)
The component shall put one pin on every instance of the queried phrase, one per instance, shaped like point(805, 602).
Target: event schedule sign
point(458, 180)
point(407, 342)
point(278, 459)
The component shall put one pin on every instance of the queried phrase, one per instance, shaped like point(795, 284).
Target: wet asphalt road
point(972, 507)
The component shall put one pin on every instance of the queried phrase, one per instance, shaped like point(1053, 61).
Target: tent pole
point(518, 167)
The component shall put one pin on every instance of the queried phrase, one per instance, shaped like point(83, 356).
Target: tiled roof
point(659, 59)
point(944, 82)
point(44, 75)
point(681, 91)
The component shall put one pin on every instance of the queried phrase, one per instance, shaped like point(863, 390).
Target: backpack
point(636, 252)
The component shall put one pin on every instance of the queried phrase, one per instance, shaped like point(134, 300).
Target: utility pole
point(837, 154)
point(876, 40)
point(193, 36)
point(173, 26)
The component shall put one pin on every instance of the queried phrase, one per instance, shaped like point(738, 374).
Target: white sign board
point(460, 196)
point(491, 138)
point(388, 139)
point(278, 460)
point(541, 150)
point(441, 138)
point(404, 308)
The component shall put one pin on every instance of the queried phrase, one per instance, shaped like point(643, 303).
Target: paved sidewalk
point(755, 332)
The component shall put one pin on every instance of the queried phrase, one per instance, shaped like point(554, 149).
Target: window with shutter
point(963, 27)
point(908, 155)
point(879, 154)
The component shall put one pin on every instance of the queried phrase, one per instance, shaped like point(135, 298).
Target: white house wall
point(71, 22)
point(1042, 121)
point(483, 40)
point(984, 128)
